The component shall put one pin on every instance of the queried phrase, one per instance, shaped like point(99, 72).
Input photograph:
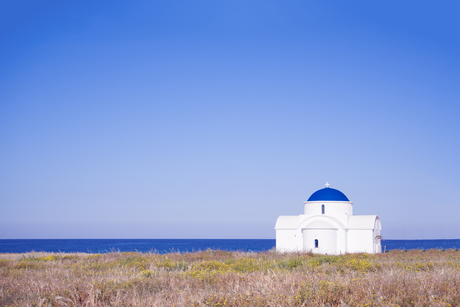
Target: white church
point(328, 226)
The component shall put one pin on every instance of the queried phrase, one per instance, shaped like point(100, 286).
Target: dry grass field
point(219, 278)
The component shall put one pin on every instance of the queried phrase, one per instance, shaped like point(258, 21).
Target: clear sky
point(209, 119)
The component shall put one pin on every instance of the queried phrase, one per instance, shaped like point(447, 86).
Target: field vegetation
point(220, 278)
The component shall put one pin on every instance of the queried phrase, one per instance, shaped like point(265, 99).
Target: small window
point(316, 243)
point(323, 209)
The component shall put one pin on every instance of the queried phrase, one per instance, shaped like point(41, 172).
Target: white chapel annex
point(328, 226)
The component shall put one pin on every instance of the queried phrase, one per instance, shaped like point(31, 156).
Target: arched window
point(316, 243)
point(323, 209)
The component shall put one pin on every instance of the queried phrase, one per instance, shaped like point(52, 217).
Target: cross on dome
point(327, 184)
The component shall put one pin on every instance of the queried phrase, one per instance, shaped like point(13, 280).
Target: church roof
point(287, 222)
point(328, 194)
point(362, 221)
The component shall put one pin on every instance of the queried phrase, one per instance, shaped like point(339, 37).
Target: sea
point(163, 246)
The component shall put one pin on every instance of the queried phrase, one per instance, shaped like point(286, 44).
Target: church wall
point(377, 242)
point(360, 241)
point(288, 240)
point(321, 241)
point(377, 237)
point(341, 241)
point(330, 234)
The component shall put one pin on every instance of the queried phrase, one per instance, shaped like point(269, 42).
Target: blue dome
point(328, 194)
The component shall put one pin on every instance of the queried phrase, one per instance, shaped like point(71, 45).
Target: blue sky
point(209, 119)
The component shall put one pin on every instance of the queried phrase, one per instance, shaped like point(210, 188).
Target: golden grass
point(219, 278)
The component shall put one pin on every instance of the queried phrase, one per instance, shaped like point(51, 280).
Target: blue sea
point(163, 246)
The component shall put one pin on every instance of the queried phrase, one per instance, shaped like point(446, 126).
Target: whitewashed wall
point(360, 241)
point(289, 240)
